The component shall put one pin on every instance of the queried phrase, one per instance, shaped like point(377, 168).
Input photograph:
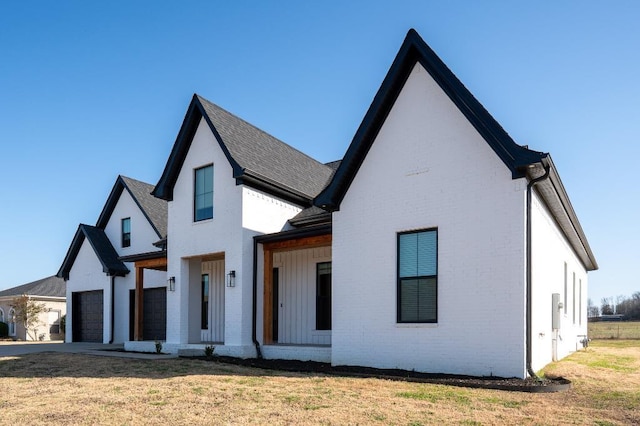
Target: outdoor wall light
point(231, 279)
point(172, 283)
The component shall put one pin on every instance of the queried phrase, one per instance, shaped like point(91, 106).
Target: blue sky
point(90, 90)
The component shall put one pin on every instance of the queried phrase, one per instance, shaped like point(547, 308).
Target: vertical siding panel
point(301, 255)
point(297, 287)
point(216, 301)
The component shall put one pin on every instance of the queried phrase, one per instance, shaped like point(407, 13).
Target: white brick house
point(429, 162)
point(437, 244)
point(100, 263)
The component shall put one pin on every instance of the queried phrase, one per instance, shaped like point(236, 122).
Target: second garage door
point(154, 315)
point(87, 307)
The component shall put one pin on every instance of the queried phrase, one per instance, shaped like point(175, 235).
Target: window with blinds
point(418, 276)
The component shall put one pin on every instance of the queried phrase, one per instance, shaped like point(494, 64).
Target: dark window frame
point(323, 298)
point(205, 288)
point(399, 279)
point(197, 196)
point(125, 236)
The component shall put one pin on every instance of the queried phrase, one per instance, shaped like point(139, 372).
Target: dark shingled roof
point(258, 159)
point(310, 216)
point(154, 209)
point(111, 264)
point(49, 287)
point(313, 215)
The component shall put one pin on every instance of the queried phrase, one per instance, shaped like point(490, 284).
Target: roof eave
point(71, 255)
point(294, 234)
point(164, 187)
point(554, 195)
point(111, 202)
point(261, 183)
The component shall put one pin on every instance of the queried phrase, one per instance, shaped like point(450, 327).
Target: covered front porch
point(201, 287)
point(147, 307)
point(296, 294)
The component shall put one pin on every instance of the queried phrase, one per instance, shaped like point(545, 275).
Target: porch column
point(139, 305)
point(267, 336)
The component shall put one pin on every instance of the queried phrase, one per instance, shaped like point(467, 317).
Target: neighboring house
point(48, 291)
point(437, 244)
point(105, 262)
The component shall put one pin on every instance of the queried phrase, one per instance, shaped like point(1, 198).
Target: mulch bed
point(510, 384)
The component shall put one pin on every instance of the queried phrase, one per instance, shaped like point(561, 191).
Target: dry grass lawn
point(57, 389)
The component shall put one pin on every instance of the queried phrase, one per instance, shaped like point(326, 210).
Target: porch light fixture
point(231, 279)
point(172, 283)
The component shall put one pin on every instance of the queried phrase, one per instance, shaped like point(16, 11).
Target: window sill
point(417, 325)
point(198, 222)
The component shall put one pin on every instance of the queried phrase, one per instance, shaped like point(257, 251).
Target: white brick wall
point(142, 234)
point(550, 251)
point(430, 168)
point(239, 213)
point(86, 275)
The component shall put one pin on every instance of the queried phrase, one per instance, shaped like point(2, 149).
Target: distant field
point(614, 330)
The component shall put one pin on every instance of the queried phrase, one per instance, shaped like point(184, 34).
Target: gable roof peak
point(257, 158)
point(102, 247)
point(154, 209)
point(415, 50)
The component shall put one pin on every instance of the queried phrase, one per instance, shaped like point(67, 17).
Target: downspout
point(255, 296)
point(113, 280)
point(529, 269)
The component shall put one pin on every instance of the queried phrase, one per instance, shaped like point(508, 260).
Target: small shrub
point(63, 324)
point(208, 351)
point(4, 329)
point(158, 347)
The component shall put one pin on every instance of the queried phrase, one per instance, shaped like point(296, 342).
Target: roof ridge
point(201, 98)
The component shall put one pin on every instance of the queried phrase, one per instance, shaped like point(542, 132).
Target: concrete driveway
point(10, 348)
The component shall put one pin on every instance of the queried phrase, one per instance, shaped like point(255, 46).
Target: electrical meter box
point(556, 311)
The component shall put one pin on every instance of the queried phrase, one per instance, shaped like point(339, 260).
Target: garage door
point(87, 309)
point(154, 314)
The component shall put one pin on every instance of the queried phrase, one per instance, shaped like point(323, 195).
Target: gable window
point(203, 194)
point(126, 232)
point(417, 291)
point(204, 310)
point(323, 296)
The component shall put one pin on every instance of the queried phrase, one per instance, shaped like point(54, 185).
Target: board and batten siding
point(297, 296)
point(215, 332)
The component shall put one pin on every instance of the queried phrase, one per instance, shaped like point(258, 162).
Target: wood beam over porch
point(269, 248)
point(158, 263)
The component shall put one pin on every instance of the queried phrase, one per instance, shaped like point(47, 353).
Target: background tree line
point(621, 305)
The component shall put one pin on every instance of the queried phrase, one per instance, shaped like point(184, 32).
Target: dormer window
point(203, 193)
point(126, 232)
